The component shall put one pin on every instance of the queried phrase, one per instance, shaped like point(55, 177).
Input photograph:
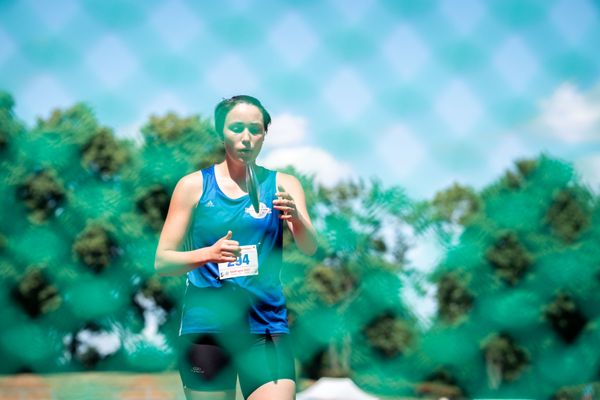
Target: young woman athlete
point(234, 319)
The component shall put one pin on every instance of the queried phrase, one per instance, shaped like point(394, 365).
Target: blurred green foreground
point(515, 290)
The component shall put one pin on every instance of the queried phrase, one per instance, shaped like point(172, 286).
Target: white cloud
point(588, 169)
point(401, 151)
point(571, 115)
point(311, 160)
point(285, 130)
point(286, 144)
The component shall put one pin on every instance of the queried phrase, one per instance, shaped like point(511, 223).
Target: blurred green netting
point(94, 298)
point(79, 231)
point(510, 310)
point(526, 216)
point(30, 343)
point(94, 201)
point(450, 345)
point(144, 355)
point(571, 269)
point(37, 244)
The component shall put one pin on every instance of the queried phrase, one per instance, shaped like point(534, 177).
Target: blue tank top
point(252, 302)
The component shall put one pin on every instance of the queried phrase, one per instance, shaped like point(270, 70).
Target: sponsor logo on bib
point(263, 211)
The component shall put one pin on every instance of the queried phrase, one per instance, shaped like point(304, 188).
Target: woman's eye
point(237, 128)
point(255, 129)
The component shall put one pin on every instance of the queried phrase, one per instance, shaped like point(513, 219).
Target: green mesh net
point(81, 213)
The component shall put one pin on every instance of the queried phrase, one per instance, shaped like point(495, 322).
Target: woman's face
point(243, 132)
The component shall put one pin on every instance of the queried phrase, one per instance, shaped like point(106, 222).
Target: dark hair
point(227, 105)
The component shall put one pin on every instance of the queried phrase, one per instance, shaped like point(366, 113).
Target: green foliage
point(169, 127)
point(333, 296)
point(530, 259)
point(103, 154)
point(42, 193)
point(95, 247)
point(76, 124)
point(453, 298)
point(6, 101)
point(517, 179)
point(457, 204)
point(441, 383)
point(175, 146)
point(505, 359)
point(509, 257)
point(389, 335)
point(153, 288)
point(35, 294)
point(517, 290)
point(154, 205)
point(566, 318)
point(7, 123)
point(569, 214)
point(332, 284)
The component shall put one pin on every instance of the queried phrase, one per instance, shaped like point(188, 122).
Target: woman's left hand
point(285, 204)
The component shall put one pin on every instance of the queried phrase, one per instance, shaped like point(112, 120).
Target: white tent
point(334, 389)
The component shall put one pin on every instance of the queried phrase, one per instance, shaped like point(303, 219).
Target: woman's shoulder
point(287, 180)
point(191, 186)
point(192, 178)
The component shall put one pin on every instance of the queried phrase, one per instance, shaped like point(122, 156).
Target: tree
point(516, 292)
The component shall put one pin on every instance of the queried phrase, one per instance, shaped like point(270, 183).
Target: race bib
point(246, 264)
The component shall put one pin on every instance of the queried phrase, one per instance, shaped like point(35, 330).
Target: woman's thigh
point(266, 368)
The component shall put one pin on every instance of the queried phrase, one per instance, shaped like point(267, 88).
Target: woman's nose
point(245, 135)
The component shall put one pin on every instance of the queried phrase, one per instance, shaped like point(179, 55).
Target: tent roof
point(334, 389)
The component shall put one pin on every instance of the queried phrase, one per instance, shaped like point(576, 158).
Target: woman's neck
point(235, 170)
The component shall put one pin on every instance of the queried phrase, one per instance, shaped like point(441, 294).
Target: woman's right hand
point(224, 249)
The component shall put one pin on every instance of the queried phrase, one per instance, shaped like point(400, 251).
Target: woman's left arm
point(291, 202)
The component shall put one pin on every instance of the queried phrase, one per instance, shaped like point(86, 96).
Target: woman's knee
point(216, 395)
point(281, 389)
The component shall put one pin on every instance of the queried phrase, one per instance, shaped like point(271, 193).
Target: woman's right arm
point(169, 260)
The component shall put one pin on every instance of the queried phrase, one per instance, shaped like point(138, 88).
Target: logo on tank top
point(263, 211)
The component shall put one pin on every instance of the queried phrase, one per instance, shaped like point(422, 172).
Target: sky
point(418, 94)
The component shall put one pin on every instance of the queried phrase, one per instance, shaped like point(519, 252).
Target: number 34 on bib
point(246, 264)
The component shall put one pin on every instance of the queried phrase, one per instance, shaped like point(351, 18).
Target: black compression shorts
point(211, 361)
